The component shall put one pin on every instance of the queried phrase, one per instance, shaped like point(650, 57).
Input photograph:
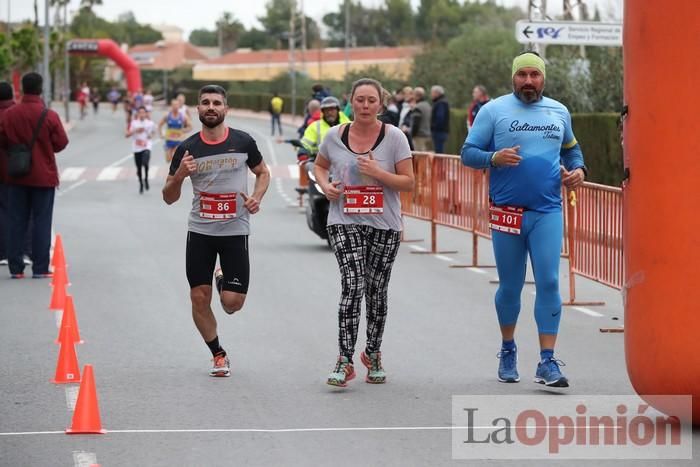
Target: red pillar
point(662, 225)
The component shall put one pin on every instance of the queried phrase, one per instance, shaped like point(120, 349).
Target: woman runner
point(177, 125)
point(370, 163)
point(141, 131)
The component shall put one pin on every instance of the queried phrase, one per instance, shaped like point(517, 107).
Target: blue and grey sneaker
point(549, 374)
point(508, 366)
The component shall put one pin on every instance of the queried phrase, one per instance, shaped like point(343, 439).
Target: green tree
point(127, 30)
point(478, 56)
point(25, 48)
point(606, 68)
point(276, 23)
point(89, 4)
point(257, 39)
point(397, 22)
point(204, 38)
point(87, 24)
point(5, 56)
point(364, 28)
point(229, 31)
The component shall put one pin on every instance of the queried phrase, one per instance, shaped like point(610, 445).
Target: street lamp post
point(292, 64)
point(66, 79)
point(47, 70)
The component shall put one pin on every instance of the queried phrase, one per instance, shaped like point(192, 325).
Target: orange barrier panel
point(417, 204)
point(597, 234)
point(452, 195)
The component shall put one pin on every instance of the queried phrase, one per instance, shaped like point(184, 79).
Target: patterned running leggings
point(365, 256)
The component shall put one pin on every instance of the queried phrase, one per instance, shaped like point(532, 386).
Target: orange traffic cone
point(86, 418)
point(69, 324)
point(58, 298)
point(67, 368)
point(58, 252)
point(60, 276)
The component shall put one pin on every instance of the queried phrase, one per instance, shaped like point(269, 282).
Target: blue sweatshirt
point(543, 131)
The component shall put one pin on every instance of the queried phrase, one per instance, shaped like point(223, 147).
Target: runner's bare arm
point(330, 189)
point(188, 125)
point(160, 126)
point(402, 180)
point(173, 184)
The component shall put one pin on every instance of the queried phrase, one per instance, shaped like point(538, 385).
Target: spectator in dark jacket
point(7, 100)
point(439, 118)
point(481, 98)
point(33, 194)
point(421, 118)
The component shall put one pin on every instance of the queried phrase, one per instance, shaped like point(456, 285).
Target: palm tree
point(88, 4)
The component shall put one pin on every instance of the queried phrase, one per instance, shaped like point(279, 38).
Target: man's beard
point(528, 95)
point(211, 123)
point(332, 122)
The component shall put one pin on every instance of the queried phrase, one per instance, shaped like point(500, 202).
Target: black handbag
point(19, 156)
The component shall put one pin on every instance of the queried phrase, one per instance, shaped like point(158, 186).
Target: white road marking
point(588, 312)
point(417, 248)
point(71, 397)
point(478, 270)
point(109, 173)
point(281, 430)
point(72, 174)
point(72, 187)
point(121, 161)
point(84, 459)
point(293, 171)
point(444, 258)
point(59, 316)
point(152, 171)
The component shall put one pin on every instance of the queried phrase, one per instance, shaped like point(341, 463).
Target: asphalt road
point(126, 264)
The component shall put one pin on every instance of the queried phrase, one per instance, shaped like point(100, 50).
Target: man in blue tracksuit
point(527, 143)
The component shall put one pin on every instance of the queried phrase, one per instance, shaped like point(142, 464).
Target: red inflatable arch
point(662, 228)
point(108, 48)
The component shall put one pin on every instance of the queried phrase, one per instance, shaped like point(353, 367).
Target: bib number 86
point(222, 207)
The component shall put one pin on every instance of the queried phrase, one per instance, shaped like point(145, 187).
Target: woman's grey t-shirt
point(391, 150)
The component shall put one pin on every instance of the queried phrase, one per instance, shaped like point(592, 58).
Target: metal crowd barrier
point(449, 194)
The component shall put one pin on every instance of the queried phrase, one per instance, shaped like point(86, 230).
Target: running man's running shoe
point(343, 372)
point(549, 374)
point(508, 366)
point(221, 367)
point(219, 279)
point(375, 371)
point(17, 276)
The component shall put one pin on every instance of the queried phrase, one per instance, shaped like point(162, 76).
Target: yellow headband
point(528, 60)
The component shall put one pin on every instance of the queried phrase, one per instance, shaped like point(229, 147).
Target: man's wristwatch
point(493, 156)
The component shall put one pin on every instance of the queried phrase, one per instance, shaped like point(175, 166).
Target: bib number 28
point(364, 200)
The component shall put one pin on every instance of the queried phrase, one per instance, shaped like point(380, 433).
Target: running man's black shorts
point(201, 254)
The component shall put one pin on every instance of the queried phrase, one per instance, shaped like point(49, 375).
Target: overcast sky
point(194, 14)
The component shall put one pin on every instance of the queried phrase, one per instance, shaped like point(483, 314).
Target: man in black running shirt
point(217, 160)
